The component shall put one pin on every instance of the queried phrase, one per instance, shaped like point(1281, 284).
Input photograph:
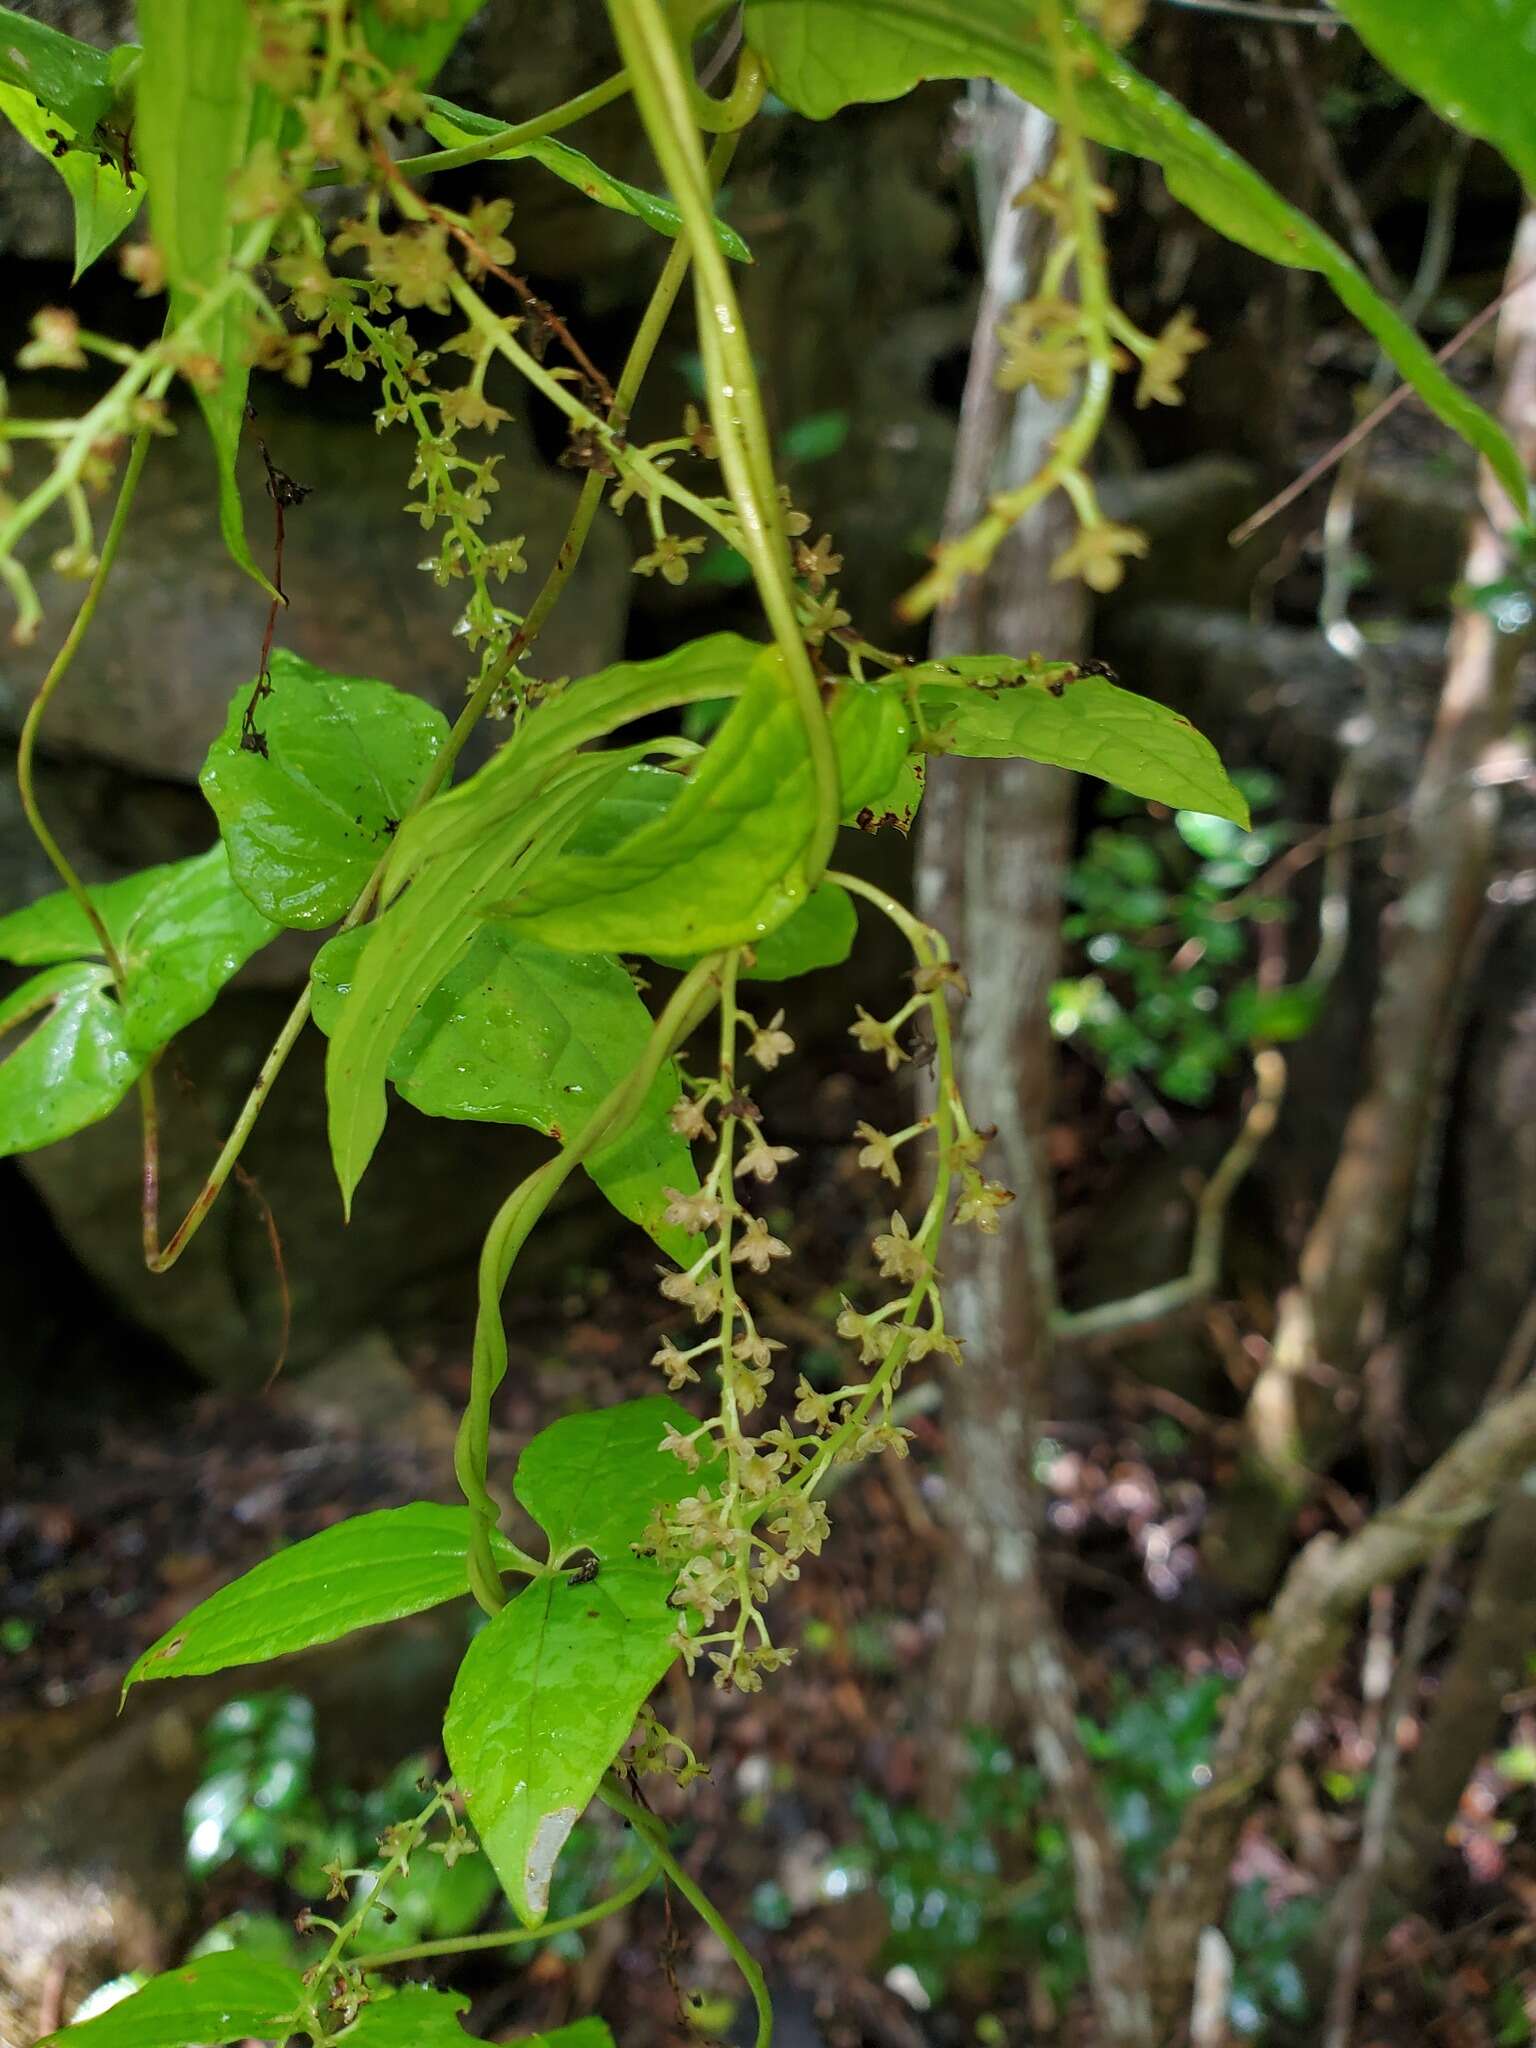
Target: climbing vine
point(476, 923)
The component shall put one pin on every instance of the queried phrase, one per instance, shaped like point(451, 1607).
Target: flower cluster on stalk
point(757, 1508)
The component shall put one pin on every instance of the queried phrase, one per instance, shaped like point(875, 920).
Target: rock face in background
point(854, 305)
point(860, 302)
point(179, 630)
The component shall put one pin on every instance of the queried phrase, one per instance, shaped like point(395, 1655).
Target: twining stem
point(564, 116)
point(638, 361)
point(506, 1937)
point(691, 1002)
point(663, 94)
point(58, 668)
point(651, 1831)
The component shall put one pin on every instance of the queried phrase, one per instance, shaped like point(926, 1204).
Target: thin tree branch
point(1305, 1630)
point(1135, 1312)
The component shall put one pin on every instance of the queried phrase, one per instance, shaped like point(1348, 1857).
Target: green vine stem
point(650, 1829)
point(160, 1259)
point(664, 97)
point(566, 115)
point(691, 1002)
point(507, 1937)
point(58, 668)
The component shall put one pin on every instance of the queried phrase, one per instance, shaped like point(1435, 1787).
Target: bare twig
point(1372, 420)
point(1135, 1312)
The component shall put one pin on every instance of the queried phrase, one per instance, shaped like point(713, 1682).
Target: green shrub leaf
point(200, 115)
point(453, 126)
point(72, 1067)
point(819, 934)
point(105, 201)
point(1475, 63)
point(823, 55)
point(418, 39)
point(218, 1998)
point(307, 821)
point(546, 1695)
point(372, 1568)
point(426, 932)
point(550, 1689)
point(592, 1481)
point(71, 79)
point(984, 706)
point(414, 2018)
point(181, 932)
point(518, 1033)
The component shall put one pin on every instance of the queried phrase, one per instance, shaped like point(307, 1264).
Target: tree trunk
point(1304, 1405)
point(992, 852)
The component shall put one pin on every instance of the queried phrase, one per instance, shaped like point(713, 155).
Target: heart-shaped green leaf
point(453, 126)
point(373, 1568)
point(181, 931)
point(519, 1033)
point(224, 1997)
point(73, 80)
point(985, 706)
point(306, 820)
point(416, 38)
point(71, 1065)
point(550, 1689)
point(105, 201)
point(593, 1481)
point(545, 1697)
point(414, 2018)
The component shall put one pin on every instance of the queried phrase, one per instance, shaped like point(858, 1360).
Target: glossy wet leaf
point(545, 1697)
point(72, 79)
point(823, 55)
point(593, 708)
point(593, 1480)
point(199, 116)
point(519, 1033)
point(424, 934)
point(995, 709)
point(896, 807)
point(1474, 61)
point(218, 1998)
point(724, 864)
point(819, 934)
point(416, 39)
point(65, 1061)
point(370, 1569)
point(306, 822)
point(104, 201)
point(453, 126)
point(69, 1051)
point(414, 2018)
